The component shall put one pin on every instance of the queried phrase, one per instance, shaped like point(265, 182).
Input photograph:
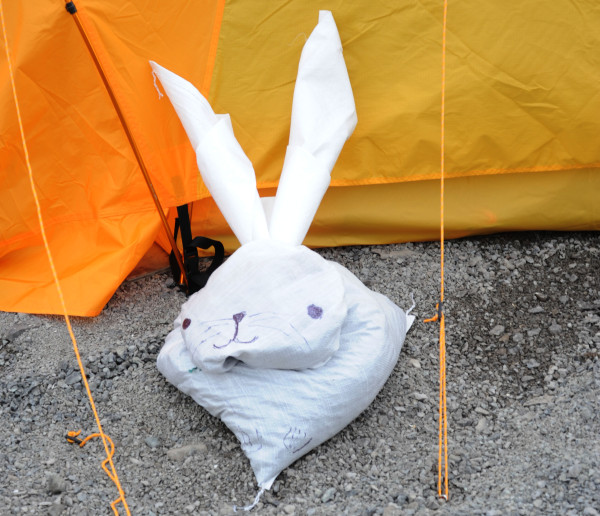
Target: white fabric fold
point(304, 180)
point(229, 176)
point(323, 118)
point(226, 170)
point(194, 111)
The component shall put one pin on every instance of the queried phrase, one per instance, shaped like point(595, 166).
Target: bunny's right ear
point(226, 170)
point(323, 118)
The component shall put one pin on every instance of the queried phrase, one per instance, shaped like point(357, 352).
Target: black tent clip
point(439, 307)
point(72, 438)
point(196, 279)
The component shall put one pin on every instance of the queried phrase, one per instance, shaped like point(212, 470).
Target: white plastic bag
point(285, 347)
point(278, 415)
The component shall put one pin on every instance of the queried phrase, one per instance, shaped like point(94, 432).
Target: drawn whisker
point(212, 337)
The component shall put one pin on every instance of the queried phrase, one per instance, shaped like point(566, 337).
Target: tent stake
point(70, 6)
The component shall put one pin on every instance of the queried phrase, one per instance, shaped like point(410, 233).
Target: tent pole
point(70, 6)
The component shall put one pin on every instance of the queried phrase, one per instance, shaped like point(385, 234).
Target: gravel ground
point(523, 323)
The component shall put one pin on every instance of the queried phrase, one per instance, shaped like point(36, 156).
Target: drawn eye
point(186, 323)
point(314, 311)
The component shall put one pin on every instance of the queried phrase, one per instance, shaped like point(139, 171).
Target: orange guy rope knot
point(73, 437)
point(439, 308)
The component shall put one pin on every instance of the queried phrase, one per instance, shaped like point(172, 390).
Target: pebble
point(536, 310)
point(482, 425)
point(497, 330)
point(152, 442)
point(538, 400)
point(392, 510)
point(73, 378)
point(555, 328)
point(56, 509)
point(181, 453)
point(55, 484)
point(575, 470)
point(328, 495)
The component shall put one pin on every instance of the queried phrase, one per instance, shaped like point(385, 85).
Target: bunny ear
point(323, 118)
point(226, 171)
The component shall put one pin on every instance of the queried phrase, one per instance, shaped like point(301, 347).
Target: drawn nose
point(238, 317)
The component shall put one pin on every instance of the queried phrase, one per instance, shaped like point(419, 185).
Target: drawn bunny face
point(270, 305)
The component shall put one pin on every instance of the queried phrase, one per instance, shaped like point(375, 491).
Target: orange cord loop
point(73, 437)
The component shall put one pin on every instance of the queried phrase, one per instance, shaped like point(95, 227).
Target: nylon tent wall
point(522, 126)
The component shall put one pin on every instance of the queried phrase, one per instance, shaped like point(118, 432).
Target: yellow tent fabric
point(522, 125)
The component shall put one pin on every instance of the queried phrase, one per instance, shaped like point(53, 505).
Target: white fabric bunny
point(284, 346)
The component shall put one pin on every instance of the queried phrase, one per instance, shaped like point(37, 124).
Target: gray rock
point(152, 442)
point(539, 400)
point(482, 425)
point(555, 328)
point(56, 509)
point(15, 331)
point(183, 452)
point(517, 337)
point(536, 310)
point(497, 330)
point(73, 378)
point(328, 495)
point(392, 510)
point(575, 470)
point(55, 484)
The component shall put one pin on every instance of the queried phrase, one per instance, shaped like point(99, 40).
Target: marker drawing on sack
point(250, 445)
point(246, 329)
point(295, 440)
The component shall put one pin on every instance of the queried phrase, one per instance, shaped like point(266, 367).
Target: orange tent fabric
point(98, 213)
point(522, 126)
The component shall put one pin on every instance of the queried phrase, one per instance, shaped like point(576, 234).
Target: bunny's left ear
point(323, 118)
point(226, 170)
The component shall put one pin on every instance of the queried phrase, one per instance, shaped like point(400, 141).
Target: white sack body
point(285, 347)
point(278, 415)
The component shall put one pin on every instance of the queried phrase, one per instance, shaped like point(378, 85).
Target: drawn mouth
point(237, 319)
